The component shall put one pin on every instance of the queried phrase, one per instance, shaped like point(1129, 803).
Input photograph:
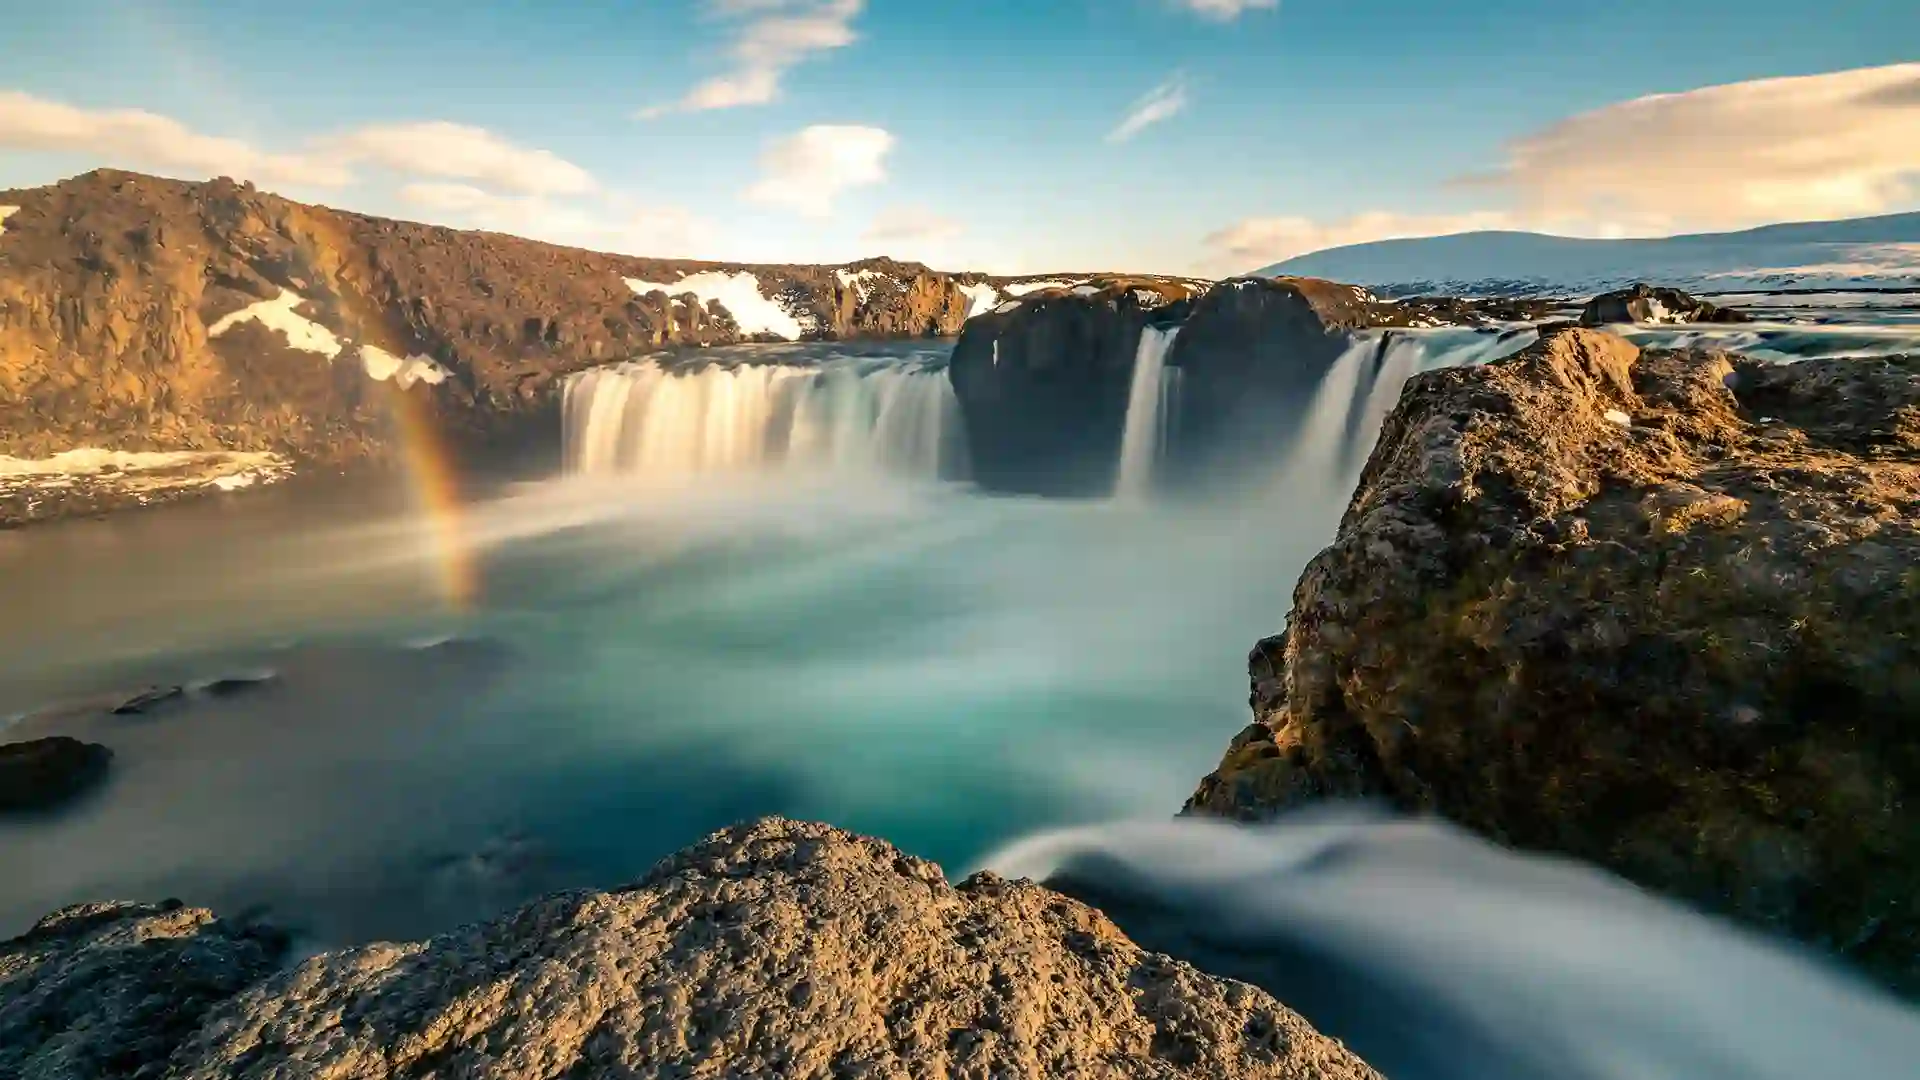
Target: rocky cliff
point(776, 949)
point(139, 314)
point(1043, 379)
point(1656, 610)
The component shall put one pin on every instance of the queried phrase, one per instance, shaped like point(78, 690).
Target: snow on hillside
point(1863, 253)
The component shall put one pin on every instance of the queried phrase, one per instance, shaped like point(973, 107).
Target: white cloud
point(457, 151)
point(911, 225)
point(1225, 10)
point(1841, 144)
point(602, 224)
point(136, 138)
point(806, 171)
point(1259, 241)
point(773, 37)
point(1163, 102)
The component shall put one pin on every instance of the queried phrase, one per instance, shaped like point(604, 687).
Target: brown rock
point(1656, 610)
point(1645, 303)
point(773, 949)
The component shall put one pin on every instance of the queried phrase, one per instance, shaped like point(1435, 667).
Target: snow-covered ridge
point(5, 213)
point(278, 314)
point(1864, 253)
point(752, 310)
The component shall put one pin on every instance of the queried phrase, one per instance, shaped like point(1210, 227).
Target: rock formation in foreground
point(206, 320)
point(773, 949)
point(1645, 303)
point(1656, 610)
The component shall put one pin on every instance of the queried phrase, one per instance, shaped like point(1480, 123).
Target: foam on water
point(1438, 956)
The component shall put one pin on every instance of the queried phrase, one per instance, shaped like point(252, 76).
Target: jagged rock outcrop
point(1645, 303)
point(1043, 381)
point(773, 949)
point(141, 314)
point(1655, 610)
point(43, 773)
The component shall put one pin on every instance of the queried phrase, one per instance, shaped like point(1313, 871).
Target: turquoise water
point(647, 662)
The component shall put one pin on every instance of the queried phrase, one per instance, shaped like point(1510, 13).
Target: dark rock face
point(111, 284)
point(1043, 382)
point(1250, 356)
point(773, 949)
point(43, 773)
point(1656, 610)
point(1645, 303)
point(1466, 311)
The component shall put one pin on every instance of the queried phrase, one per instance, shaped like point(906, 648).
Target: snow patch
point(1022, 288)
point(1007, 308)
point(1148, 298)
point(278, 314)
point(5, 213)
point(859, 282)
point(739, 293)
point(1618, 417)
point(1086, 290)
point(981, 298)
point(139, 472)
point(382, 365)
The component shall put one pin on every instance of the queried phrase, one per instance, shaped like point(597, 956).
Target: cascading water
point(854, 413)
point(1144, 436)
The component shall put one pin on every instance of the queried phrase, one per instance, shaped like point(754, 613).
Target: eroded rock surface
point(1657, 610)
point(773, 949)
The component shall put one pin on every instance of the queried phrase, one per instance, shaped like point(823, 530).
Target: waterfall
point(845, 413)
point(1143, 439)
point(1363, 386)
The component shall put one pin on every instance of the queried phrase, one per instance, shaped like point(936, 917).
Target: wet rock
point(772, 949)
point(1686, 647)
point(1645, 303)
point(43, 773)
point(1250, 356)
point(150, 700)
point(1043, 381)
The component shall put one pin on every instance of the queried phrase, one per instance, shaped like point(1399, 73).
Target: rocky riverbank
point(1656, 610)
point(773, 949)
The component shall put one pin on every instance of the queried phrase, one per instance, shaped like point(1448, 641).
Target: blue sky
point(980, 133)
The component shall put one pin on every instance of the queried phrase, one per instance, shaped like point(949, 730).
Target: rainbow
point(434, 476)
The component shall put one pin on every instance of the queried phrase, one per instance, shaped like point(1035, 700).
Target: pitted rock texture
point(1657, 610)
point(772, 949)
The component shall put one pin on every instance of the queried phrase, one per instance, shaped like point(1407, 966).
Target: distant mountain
point(1875, 252)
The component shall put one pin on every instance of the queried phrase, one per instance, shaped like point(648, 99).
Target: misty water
point(794, 605)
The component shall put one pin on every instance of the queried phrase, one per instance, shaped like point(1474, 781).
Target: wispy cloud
point(140, 139)
point(457, 151)
point(1163, 102)
point(1225, 10)
point(808, 170)
point(772, 37)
